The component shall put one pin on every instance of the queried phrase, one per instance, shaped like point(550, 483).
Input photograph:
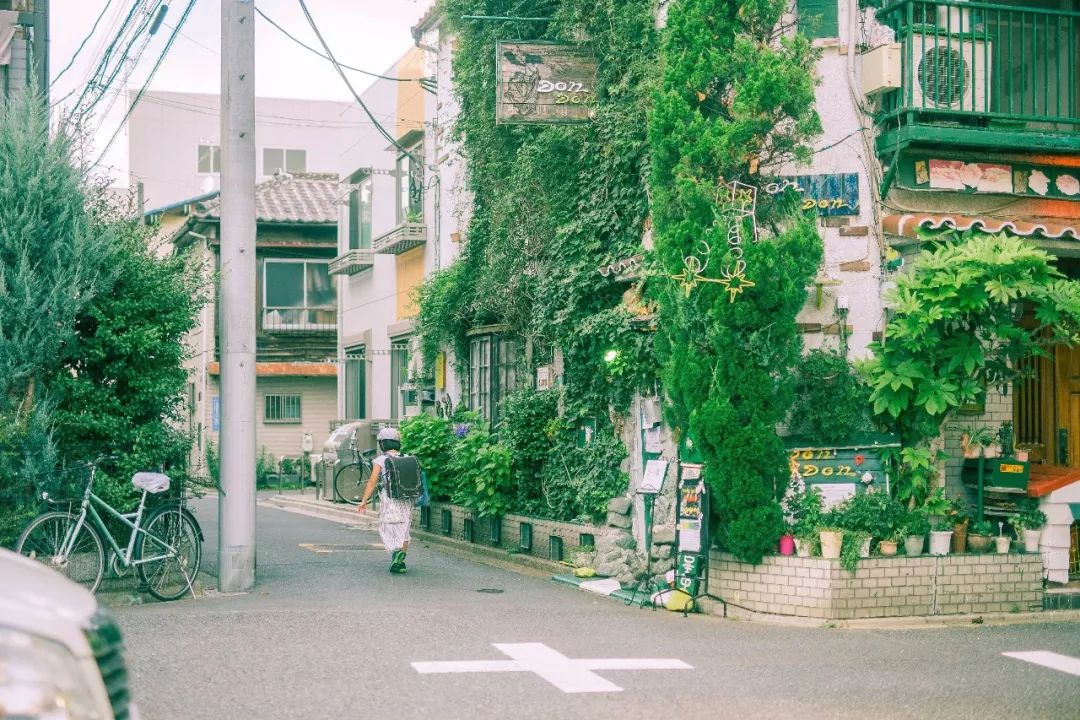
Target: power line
point(82, 45)
point(102, 62)
point(304, 45)
point(153, 71)
point(337, 66)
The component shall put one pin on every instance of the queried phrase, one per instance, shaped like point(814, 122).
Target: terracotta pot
point(1031, 540)
point(888, 547)
point(959, 538)
point(978, 543)
point(914, 544)
point(787, 545)
point(831, 541)
point(939, 541)
point(1002, 544)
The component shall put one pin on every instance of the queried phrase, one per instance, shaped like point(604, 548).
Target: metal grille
point(282, 408)
point(108, 648)
point(944, 76)
point(1028, 405)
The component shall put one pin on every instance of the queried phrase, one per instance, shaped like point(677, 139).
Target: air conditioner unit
point(950, 73)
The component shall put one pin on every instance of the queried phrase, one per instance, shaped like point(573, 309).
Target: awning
point(908, 225)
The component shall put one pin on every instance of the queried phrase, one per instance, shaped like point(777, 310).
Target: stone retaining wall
point(880, 586)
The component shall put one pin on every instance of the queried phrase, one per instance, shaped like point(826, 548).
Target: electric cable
point(304, 45)
point(85, 40)
point(150, 77)
point(337, 66)
point(101, 63)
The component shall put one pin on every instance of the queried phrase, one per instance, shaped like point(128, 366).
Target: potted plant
point(915, 533)
point(1022, 453)
point(787, 543)
point(959, 518)
point(805, 510)
point(937, 509)
point(978, 539)
point(1005, 438)
point(1002, 541)
point(1028, 524)
point(831, 533)
point(973, 439)
point(891, 544)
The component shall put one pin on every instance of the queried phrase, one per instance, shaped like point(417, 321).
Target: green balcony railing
point(985, 64)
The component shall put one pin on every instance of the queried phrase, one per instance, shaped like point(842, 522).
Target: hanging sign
point(842, 470)
point(825, 194)
point(544, 83)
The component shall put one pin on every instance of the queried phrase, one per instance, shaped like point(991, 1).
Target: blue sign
point(215, 414)
point(827, 194)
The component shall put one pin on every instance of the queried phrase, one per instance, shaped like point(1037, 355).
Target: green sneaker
point(398, 568)
point(397, 564)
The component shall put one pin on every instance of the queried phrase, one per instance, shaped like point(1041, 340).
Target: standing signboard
point(544, 83)
point(692, 531)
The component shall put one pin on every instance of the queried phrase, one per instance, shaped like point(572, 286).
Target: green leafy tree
point(54, 260)
point(737, 93)
point(954, 331)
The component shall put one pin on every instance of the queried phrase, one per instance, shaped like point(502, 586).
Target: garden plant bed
point(881, 587)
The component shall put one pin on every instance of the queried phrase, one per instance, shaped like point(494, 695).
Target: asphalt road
point(329, 633)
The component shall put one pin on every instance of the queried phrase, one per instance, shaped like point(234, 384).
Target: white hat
point(389, 433)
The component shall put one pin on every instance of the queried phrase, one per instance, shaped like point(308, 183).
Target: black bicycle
point(351, 479)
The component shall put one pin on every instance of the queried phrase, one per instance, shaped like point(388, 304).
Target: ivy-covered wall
point(551, 205)
point(724, 92)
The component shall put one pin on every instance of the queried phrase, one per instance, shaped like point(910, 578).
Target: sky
point(367, 34)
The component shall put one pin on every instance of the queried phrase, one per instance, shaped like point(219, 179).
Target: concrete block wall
point(880, 587)
point(570, 533)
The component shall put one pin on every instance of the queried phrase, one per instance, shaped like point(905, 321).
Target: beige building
point(296, 312)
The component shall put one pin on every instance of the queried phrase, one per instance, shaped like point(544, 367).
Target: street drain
point(490, 591)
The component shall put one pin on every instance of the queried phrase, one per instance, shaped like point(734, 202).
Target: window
point(290, 161)
point(209, 158)
point(399, 375)
point(281, 409)
point(360, 214)
point(355, 384)
point(298, 295)
point(818, 18)
point(410, 189)
point(493, 363)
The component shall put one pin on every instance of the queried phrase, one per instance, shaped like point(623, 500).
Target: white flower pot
point(864, 549)
point(1031, 540)
point(940, 541)
point(1002, 544)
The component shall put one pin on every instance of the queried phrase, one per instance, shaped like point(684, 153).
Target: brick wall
point(880, 587)
point(542, 530)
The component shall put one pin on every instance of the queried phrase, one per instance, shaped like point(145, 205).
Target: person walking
point(395, 515)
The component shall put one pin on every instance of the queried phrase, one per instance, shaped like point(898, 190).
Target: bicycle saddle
point(151, 482)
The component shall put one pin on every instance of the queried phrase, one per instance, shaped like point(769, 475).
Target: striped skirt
point(395, 521)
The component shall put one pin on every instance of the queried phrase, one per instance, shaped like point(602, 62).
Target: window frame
point(215, 154)
point(355, 408)
point(360, 235)
point(284, 159)
point(491, 380)
point(306, 308)
point(399, 374)
point(286, 400)
point(409, 166)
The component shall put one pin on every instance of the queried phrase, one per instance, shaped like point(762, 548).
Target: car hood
point(28, 586)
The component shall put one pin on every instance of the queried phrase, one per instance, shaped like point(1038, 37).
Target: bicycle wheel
point(169, 552)
point(43, 540)
point(349, 482)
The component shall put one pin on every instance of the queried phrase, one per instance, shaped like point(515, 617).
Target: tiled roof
point(295, 198)
point(907, 225)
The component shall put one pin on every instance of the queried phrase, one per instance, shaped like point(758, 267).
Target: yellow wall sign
point(440, 371)
point(1013, 469)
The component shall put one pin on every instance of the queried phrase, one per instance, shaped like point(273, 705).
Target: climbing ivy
point(736, 99)
point(550, 206)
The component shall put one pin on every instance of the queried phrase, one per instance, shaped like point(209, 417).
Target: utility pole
point(236, 506)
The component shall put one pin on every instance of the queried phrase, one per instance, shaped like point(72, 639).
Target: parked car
point(61, 654)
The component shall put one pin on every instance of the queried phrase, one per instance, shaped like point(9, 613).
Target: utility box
point(881, 69)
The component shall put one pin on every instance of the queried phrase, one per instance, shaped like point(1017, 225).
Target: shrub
point(831, 403)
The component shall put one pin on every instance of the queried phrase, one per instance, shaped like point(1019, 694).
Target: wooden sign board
point(544, 83)
point(840, 471)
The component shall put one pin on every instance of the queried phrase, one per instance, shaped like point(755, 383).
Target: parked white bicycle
point(165, 546)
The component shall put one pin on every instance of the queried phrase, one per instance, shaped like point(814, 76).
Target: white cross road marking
point(567, 674)
point(1052, 660)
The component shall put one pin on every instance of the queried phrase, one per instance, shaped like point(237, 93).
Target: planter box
point(880, 586)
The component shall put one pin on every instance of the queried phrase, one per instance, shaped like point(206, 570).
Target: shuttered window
point(819, 18)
